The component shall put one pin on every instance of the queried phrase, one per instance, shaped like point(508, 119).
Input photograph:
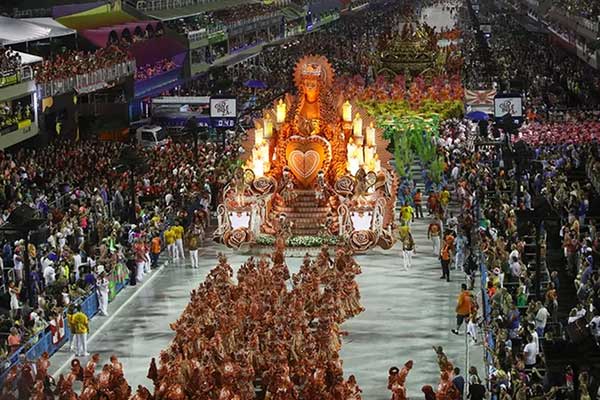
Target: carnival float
point(316, 172)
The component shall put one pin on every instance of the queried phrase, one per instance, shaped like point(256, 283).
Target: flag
point(480, 97)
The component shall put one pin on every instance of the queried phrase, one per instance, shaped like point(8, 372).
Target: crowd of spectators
point(549, 77)
point(10, 117)
point(496, 194)
point(148, 71)
point(73, 62)
point(195, 23)
point(559, 143)
point(9, 60)
point(589, 9)
point(238, 14)
point(87, 213)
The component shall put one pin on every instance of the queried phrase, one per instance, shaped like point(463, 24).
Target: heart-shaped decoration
point(306, 156)
point(305, 163)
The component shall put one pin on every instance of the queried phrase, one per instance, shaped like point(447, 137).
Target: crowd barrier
point(45, 341)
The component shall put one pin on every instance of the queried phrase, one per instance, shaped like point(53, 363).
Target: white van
point(151, 136)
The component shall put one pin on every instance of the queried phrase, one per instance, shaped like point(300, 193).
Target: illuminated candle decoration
point(371, 135)
point(259, 169)
point(258, 136)
point(357, 126)
point(347, 111)
point(265, 152)
point(353, 165)
point(377, 164)
point(281, 111)
point(268, 127)
point(351, 148)
point(369, 156)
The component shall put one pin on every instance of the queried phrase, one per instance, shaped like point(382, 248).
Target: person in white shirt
point(77, 263)
point(49, 274)
point(515, 267)
point(530, 353)
point(573, 316)
point(536, 338)
point(514, 253)
point(455, 172)
point(18, 265)
point(541, 318)
point(102, 289)
point(594, 326)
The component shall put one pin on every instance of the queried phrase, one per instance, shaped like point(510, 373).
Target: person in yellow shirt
point(79, 324)
point(444, 199)
point(178, 231)
point(406, 214)
point(170, 241)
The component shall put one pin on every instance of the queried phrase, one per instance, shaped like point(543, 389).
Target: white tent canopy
point(13, 31)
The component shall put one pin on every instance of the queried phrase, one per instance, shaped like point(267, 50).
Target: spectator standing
point(464, 306)
point(530, 353)
point(80, 324)
point(459, 382)
point(102, 292)
point(476, 389)
point(155, 249)
point(14, 292)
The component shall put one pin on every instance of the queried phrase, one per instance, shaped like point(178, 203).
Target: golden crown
point(311, 69)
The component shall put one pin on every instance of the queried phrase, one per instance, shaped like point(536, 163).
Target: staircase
point(305, 213)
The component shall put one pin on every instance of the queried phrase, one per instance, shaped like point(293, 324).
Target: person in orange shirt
point(14, 340)
point(418, 202)
point(445, 260)
point(155, 249)
point(464, 306)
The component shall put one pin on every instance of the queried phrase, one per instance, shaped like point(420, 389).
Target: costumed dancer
point(321, 187)
point(434, 234)
point(408, 247)
point(193, 244)
point(287, 192)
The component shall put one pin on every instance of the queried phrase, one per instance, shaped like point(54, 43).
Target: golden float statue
point(311, 164)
